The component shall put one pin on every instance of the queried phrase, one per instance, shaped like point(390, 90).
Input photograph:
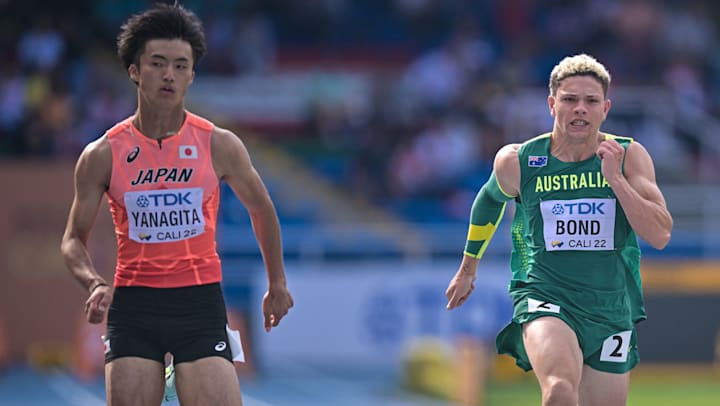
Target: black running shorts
point(188, 322)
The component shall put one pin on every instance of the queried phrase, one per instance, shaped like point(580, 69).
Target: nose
point(169, 75)
point(581, 107)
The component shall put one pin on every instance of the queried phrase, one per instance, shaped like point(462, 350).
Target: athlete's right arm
point(92, 177)
point(485, 215)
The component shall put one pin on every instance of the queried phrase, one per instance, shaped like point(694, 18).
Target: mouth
point(168, 90)
point(579, 123)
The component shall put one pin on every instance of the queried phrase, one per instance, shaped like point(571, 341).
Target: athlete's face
point(165, 71)
point(579, 107)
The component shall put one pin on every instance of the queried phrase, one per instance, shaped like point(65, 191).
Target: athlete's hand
point(276, 304)
point(97, 305)
point(611, 153)
point(460, 288)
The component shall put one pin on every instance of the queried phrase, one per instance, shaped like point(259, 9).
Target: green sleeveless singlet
point(575, 257)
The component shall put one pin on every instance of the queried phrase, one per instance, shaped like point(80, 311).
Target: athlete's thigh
point(599, 388)
point(134, 381)
point(553, 350)
point(207, 381)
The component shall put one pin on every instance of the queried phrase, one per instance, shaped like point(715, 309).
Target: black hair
point(164, 21)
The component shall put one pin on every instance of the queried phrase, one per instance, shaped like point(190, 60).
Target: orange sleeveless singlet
point(164, 198)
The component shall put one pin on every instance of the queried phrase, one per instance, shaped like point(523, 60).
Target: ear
point(134, 73)
point(551, 105)
point(608, 104)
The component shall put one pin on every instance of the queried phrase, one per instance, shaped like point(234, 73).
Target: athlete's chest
point(560, 180)
point(176, 163)
point(570, 206)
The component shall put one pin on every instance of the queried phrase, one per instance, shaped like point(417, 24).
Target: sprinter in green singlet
point(582, 197)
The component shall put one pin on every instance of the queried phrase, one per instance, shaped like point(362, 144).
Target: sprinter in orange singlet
point(160, 170)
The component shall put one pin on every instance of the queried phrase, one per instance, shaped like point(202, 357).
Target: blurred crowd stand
point(434, 116)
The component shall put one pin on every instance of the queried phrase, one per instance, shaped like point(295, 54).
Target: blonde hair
point(579, 65)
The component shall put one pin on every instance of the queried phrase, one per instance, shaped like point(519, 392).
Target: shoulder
point(622, 140)
point(638, 160)
point(507, 169)
point(507, 157)
point(222, 138)
point(507, 161)
point(98, 150)
point(636, 148)
point(539, 142)
point(634, 151)
point(199, 122)
point(95, 161)
point(229, 153)
point(123, 127)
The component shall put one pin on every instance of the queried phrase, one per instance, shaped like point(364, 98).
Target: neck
point(157, 124)
point(568, 149)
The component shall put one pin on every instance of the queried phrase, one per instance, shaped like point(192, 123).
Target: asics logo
point(133, 154)
point(220, 346)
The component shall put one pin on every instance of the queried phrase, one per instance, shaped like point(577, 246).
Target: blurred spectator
point(253, 49)
point(439, 76)
point(52, 119)
point(41, 47)
point(239, 43)
point(468, 60)
point(12, 108)
point(445, 148)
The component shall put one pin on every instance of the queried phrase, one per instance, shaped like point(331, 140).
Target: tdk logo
point(142, 201)
point(578, 208)
point(164, 199)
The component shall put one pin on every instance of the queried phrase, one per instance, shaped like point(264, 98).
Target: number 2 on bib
point(616, 347)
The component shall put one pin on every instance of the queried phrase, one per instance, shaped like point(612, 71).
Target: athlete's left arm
point(637, 190)
point(232, 164)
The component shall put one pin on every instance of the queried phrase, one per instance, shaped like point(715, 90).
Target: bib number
point(156, 216)
point(578, 225)
point(616, 347)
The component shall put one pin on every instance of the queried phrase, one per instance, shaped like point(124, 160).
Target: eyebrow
point(181, 59)
point(561, 93)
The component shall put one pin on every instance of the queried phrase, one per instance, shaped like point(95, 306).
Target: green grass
point(665, 388)
point(431, 372)
point(699, 394)
point(513, 394)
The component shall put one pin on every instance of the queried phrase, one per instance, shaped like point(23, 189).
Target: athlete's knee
point(559, 391)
